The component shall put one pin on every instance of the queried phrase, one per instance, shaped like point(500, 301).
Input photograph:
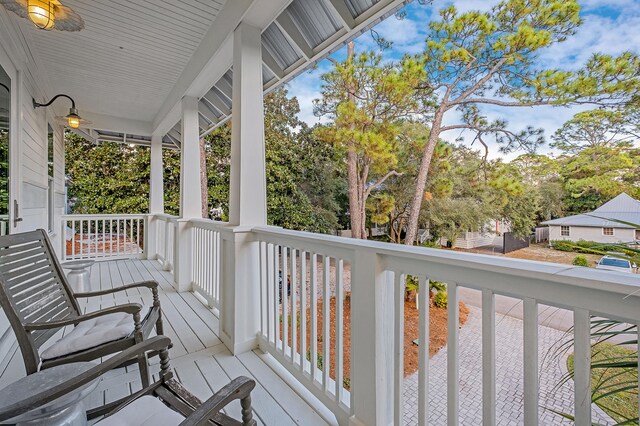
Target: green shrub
point(563, 245)
point(580, 260)
point(441, 299)
point(412, 283)
point(590, 247)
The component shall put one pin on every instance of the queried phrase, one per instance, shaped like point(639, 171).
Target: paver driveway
point(509, 373)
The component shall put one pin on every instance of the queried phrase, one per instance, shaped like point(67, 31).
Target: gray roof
point(623, 208)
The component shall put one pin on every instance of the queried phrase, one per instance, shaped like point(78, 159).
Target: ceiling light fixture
point(42, 13)
point(46, 14)
point(72, 119)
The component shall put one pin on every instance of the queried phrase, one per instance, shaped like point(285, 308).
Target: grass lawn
point(621, 405)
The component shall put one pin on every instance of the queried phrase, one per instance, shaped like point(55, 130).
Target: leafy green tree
point(390, 204)
point(597, 174)
point(542, 175)
point(106, 178)
point(491, 58)
point(218, 151)
point(290, 158)
point(303, 174)
point(479, 191)
point(596, 128)
point(365, 99)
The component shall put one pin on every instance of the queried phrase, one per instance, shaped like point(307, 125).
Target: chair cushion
point(144, 411)
point(91, 333)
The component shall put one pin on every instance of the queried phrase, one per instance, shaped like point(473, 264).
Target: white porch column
point(190, 192)
point(248, 187)
point(156, 188)
point(240, 308)
point(156, 196)
point(372, 322)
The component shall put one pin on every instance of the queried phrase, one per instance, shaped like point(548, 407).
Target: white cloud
point(306, 87)
point(611, 35)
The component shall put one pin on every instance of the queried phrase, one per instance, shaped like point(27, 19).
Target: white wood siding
point(577, 233)
point(29, 154)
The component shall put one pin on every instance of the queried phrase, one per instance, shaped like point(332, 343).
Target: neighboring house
point(600, 225)
point(489, 236)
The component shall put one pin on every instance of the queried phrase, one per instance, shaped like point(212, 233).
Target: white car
point(611, 263)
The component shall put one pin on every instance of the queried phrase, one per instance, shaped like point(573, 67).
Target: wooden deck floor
point(198, 357)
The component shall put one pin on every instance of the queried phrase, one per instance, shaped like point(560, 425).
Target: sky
point(610, 27)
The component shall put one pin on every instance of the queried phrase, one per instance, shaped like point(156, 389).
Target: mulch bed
point(437, 333)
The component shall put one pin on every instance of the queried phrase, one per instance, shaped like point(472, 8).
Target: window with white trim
point(607, 231)
point(565, 231)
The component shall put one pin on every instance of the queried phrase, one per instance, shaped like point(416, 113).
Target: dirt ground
point(542, 253)
point(546, 254)
point(437, 334)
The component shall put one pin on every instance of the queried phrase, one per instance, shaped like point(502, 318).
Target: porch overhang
point(130, 67)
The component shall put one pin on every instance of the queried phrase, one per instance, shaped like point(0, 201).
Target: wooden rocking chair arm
point(153, 285)
point(238, 388)
point(128, 308)
point(156, 343)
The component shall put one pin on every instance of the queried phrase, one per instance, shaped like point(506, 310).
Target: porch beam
point(112, 123)
point(225, 87)
point(341, 11)
point(293, 34)
point(214, 55)
point(271, 63)
point(214, 99)
point(206, 112)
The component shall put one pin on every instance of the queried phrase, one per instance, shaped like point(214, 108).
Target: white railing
point(319, 267)
point(165, 239)
point(103, 237)
point(296, 277)
point(364, 283)
point(206, 260)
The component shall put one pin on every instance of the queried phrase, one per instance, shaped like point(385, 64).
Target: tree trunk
point(421, 181)
point(204, 193)
point(354, 204)
point(354, 185)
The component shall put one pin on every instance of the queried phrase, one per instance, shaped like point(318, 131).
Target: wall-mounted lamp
point(72, 119)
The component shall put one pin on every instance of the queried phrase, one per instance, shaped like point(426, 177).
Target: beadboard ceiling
point(129, 55)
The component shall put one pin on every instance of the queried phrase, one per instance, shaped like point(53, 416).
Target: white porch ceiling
point(128, 57)
point(135, 59)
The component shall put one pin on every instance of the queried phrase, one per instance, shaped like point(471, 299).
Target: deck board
point(198, 357)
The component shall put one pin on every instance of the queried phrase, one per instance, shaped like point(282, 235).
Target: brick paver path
point(509, 373)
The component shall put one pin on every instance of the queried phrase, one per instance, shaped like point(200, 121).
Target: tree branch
point(498, 102)
point(381, 181)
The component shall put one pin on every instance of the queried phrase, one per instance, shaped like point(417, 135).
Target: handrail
point(103, 216)
point(565, 274)
point(165, 217)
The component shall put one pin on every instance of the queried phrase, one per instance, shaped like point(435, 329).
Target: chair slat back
point(33, 288)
